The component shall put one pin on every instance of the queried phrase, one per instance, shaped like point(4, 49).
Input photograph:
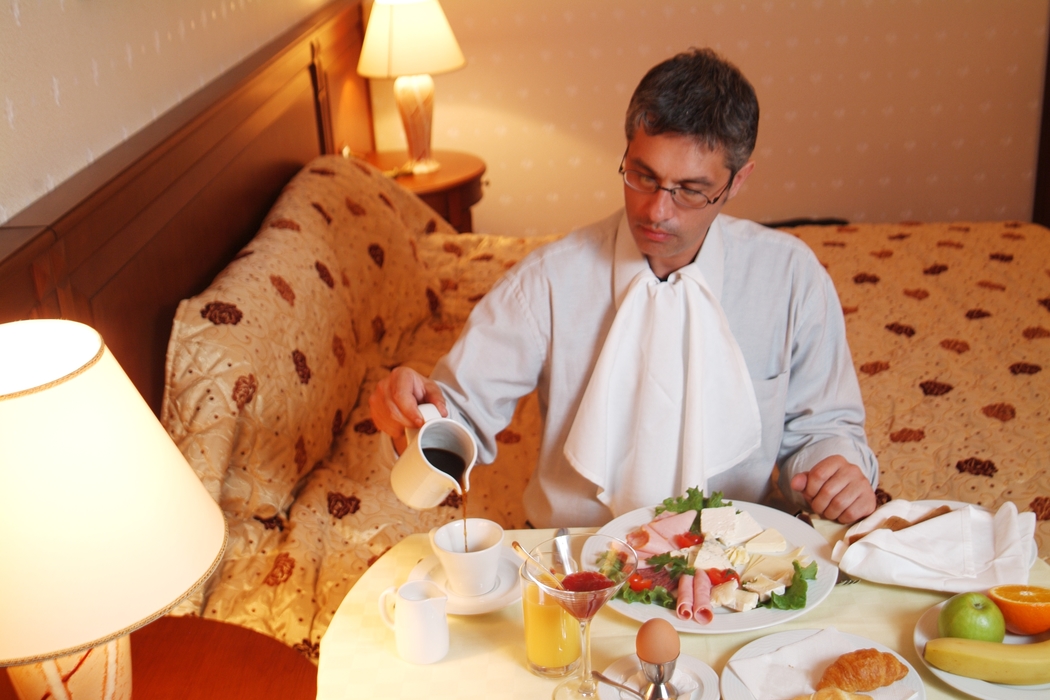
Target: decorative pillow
point(373, 225)
point(262, 370)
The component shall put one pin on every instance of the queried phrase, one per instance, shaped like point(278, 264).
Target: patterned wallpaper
point(872, 110)
point(78, 77)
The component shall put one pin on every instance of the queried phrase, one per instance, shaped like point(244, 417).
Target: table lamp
point(410, 40)
point(104, 527)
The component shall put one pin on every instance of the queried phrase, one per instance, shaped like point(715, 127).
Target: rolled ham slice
point(703, 611)
point(684, 609)
point(677, 524)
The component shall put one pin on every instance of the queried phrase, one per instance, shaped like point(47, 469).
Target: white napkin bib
point(670, 402)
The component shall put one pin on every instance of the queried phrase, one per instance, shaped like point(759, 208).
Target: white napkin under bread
point(795, 669)
point(968, 549)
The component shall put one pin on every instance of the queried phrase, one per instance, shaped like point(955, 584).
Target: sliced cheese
point(778, 568)
point(765, 586)
point(711, 556)
point(718, 523)
point(724, 593)
point(745, 527)
point(742, 600)
point(767, 542)
point(773, 568)
point(738, 557)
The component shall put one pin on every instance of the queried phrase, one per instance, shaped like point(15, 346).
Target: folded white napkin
point(967, 549)
point(796, 668)
point(670, 401)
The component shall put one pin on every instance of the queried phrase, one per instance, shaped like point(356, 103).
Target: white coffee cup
point(419, 622)
point(416, 479)
point(471, 572)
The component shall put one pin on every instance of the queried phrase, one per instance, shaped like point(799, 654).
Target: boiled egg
point(657, 642)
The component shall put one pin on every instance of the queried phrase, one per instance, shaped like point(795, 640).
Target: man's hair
point(699, 94)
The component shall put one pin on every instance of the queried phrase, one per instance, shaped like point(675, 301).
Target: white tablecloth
point(487, 652)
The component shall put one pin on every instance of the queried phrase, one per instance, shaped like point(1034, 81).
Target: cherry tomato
point(718, 576)
point(688, 539)
point(638, 583)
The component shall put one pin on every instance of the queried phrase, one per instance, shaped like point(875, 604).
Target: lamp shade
point(103, 525)
point(408, 37)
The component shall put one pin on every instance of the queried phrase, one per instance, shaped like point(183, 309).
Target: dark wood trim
point(120, 243)
point(1041, 200)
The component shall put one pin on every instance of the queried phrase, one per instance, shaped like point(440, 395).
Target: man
point(671, 345)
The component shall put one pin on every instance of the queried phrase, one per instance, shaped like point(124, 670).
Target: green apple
point(971, 616)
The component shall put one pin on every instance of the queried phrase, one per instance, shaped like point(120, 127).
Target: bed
point(255, 278)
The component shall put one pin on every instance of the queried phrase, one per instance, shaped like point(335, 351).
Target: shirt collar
point(628, 261)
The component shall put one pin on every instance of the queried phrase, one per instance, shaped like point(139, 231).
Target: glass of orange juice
point(552, 636)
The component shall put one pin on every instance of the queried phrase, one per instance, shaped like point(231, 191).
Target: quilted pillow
point(261, 369)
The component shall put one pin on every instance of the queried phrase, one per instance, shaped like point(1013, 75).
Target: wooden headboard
point(152, 222)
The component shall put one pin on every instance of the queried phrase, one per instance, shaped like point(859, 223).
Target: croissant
point(832, 694)
point(863, 670)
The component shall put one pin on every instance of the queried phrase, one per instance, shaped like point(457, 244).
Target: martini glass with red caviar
point(590, 569)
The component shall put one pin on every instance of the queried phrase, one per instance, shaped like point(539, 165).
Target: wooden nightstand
point(451, 190)
point(191, 658)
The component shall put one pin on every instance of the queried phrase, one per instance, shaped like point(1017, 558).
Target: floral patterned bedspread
point(949, 328)
point(269, 371)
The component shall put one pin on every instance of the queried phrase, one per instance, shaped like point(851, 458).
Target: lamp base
point(422, 167)
point(415, 101)
point(100, 673)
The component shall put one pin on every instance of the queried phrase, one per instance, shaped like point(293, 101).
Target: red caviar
point(582, 581)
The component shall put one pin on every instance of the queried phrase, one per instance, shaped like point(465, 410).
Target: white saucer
point(506, 591)
point(622, 670)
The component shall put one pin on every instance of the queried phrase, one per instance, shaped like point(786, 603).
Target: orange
point(1026, 609)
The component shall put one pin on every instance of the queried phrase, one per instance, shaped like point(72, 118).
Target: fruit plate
point(796, 532)
point(734, 688)
point(926, 629)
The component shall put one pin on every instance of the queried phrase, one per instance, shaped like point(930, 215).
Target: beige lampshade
point(408, 37)
point(103, 525)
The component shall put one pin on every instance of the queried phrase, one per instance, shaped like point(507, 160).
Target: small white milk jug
point(418, 620)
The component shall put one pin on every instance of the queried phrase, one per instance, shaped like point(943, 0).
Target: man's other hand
point(837, 490)
point(395, 403)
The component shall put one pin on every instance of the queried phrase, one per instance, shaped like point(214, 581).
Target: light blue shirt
point(542, 326)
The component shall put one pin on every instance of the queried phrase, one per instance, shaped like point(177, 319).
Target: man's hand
point(837, 490)
point(395, 403)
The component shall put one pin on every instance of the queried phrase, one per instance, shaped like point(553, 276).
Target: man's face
point(668, 234)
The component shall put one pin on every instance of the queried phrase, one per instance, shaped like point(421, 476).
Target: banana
point(1012, 664)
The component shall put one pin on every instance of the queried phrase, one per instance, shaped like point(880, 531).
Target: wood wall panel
point(197, 242)
point(154, 220)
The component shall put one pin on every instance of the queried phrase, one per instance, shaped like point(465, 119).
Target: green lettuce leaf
point(794, 596)
point(657, 595)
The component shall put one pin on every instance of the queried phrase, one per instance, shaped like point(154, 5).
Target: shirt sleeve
point(498, 358)
point(824, 411)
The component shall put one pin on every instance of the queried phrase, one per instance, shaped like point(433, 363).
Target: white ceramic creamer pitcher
point(436, 462)
point(419, 622)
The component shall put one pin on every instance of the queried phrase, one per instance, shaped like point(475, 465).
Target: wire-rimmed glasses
point(682, 196)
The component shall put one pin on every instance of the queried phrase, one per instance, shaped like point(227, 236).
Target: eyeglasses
point(682, 196)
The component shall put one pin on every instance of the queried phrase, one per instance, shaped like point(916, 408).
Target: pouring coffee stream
point(436, 462)
point(452, 464)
